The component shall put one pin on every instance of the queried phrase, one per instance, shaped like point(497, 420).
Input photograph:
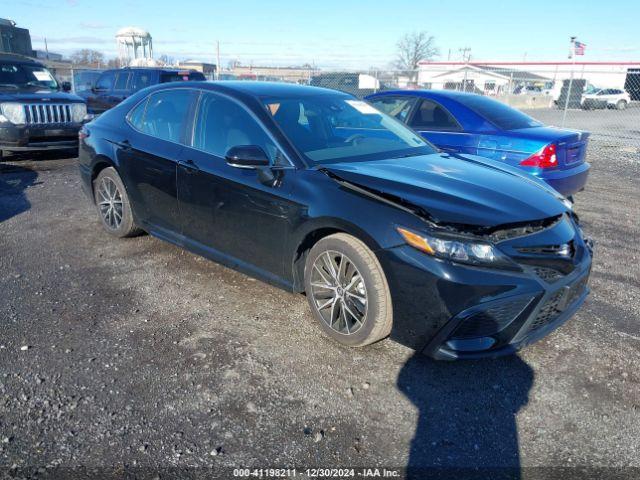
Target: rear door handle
point(124, 144)
point(189, 166)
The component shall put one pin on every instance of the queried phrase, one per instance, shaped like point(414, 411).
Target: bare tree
point(113, 63)
point(87, 57)
point(414, 47)
point(167, 60)
point(233, 64)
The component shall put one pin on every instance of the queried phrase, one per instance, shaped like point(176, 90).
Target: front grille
point(558, 302)
point(492, 320)
point(41, 114)
point(549, 275)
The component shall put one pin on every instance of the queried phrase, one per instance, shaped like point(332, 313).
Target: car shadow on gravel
point(466, 427)
point(14, 180)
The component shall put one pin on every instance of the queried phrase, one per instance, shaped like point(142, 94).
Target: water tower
point(135, 47)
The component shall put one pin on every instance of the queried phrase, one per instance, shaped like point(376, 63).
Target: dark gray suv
point(36, 112)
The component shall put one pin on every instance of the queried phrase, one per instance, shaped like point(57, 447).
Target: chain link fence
point(603, 99)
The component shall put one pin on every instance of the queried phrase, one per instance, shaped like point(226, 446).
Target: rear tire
point(621, 105)
point(348, 291)
point(112, 203)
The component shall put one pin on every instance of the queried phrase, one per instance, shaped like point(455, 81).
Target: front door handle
point(189, 166)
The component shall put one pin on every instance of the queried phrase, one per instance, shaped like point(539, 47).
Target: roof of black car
point(157, 69)
point(13, 57)
point(272, 89)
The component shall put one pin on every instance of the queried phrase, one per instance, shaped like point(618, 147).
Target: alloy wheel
point(110, 203)
point(339, 293)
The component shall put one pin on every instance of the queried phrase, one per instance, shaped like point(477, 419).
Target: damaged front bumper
point(454, 311)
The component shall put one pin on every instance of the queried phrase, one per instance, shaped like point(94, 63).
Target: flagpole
point(573, 67)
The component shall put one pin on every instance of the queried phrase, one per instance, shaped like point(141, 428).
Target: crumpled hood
point(37, 95)
point(460, 189)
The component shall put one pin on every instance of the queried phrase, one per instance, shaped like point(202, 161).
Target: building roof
point(505, 73)
point(514, 74)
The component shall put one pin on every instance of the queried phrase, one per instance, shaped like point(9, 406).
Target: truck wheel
point(348, 291)
point(621, 105)
point(113, 204)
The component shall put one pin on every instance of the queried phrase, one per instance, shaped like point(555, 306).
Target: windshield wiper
point(406, 155)
point(39, 85)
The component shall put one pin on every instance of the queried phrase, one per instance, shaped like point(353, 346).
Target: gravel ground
point(135, 357)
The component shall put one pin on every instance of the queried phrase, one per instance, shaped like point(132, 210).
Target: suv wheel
point(113, 204)
point(621, 105)
point(347, 291)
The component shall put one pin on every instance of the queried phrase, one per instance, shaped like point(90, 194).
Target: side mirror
point(66, 86)
point(247, 156)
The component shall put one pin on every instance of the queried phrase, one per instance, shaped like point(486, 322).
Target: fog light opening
point(471, 344)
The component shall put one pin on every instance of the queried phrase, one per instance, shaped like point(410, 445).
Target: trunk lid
point(571, 145)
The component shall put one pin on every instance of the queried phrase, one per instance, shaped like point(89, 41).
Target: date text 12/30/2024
point(316, 473)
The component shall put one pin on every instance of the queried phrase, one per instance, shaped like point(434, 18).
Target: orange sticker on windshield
point(273, 107)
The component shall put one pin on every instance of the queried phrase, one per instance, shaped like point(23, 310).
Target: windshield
point(501, 115)
point(339, 128)
point(21, 75)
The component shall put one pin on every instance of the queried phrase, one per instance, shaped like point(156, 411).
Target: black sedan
point(321, 193)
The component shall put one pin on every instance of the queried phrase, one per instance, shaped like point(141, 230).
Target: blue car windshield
point(501, 115)
point(330, 128)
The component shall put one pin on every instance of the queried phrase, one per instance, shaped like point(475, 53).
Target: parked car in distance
point(36, 112)
point(606, 98)
point(115, 85)
point(318, 192)
point(527, 90)
point(459, 122)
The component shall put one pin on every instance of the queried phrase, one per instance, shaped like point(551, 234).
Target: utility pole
point(46, 48)
point(218, 60)
point(466, 57)
point(572, 56)
point(466, 54)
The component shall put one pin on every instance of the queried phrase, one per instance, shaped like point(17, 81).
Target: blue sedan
point(468, 123)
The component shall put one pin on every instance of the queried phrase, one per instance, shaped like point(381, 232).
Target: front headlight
point(78, 112)
point(460, 250)
point(14, 113)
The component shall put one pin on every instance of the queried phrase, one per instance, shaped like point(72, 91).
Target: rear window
point(181, 77)
point(501, 115)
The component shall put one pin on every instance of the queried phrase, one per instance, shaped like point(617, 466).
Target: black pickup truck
point(36, 112)
point(113, 86)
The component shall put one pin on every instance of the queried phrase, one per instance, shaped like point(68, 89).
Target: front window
point(338, 128)
point(501, 115)
point(21, 75)
point(223, 123)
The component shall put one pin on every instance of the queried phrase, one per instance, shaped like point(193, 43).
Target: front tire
point(112, 203)
point(621, 105)
point(348, 291)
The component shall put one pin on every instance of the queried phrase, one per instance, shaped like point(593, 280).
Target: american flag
point(578, 47)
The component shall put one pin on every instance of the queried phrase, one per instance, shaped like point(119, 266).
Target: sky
point(354, 34)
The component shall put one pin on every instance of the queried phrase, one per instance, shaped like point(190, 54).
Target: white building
point(625, 75)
